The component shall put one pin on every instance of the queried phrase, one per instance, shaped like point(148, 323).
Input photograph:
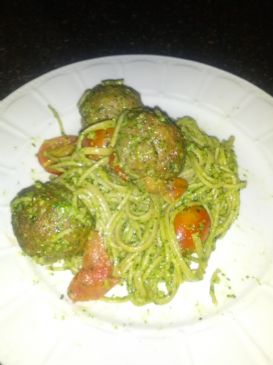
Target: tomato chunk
point(53, 149)
point(95, 254)
point(101, 138)
point(116, 168)
point(90, 284)
point(192, 220)
point(176, 188)
point(95, 278)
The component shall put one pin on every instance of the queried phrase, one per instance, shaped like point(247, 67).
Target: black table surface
point(38, 36)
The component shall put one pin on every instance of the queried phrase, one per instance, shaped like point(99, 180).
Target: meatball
point(149, 144)
point(106, 101)
point(46, 223)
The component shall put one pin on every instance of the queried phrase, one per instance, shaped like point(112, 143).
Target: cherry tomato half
point(102, 138)
point(190, 221)
point(95, 278)
point(55, 148)
point(176, 188)
point(95, 254)
point(90, 284)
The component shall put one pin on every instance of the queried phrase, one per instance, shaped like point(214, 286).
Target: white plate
point(38, 327)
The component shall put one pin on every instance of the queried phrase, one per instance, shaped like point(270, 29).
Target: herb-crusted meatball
point(149, 144)
point(47, 225)
point(106, 101)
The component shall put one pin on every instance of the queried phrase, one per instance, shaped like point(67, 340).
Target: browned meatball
point(106, 101)
point(149, 144)
point(47, 225)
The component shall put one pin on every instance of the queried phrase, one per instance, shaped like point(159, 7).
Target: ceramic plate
point(39, 326)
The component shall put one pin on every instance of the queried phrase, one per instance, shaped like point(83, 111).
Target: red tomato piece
point(95, 278)
point(101, 139)
point(55, 148)
point(176, 188)
point(191, 221)
point(90, 284)
point(95, 254)
point(115, 167)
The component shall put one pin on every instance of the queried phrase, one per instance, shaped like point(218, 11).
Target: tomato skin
point(192, 220)
point(90, 284)
point(115, 167)
point(95, 254)
point(176, 188)
point(101, 139)
point(58, 147)
point(95, 278)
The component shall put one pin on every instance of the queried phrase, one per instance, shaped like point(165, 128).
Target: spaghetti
point(137, 226)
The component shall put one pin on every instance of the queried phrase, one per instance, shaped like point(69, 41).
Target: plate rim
point(131, 56)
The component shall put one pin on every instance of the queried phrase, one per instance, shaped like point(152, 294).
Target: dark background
point(38, 36)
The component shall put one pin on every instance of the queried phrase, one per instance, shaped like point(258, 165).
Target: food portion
point(191, 221)
point(149, 144)
point(53, 149)
point(48, 225)
point(135, 200)
point(106, 101)
point(94, 279)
